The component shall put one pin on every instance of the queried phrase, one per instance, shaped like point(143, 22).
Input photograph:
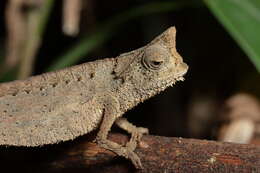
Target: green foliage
point(241, 18)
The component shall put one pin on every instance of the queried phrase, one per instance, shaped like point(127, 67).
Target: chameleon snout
point(182, 69)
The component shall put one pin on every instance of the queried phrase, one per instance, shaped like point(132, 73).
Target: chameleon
point(64, 104)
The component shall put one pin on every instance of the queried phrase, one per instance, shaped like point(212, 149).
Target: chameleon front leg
point(111, 111)
point(136, 132)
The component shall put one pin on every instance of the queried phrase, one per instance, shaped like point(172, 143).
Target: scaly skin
point(65, 104)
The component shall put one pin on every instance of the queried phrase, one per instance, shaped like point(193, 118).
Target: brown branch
point(158, 154)
point(162, 154)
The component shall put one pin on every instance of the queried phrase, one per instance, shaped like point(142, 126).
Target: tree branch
point(162, 154)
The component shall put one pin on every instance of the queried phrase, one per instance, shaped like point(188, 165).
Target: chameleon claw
point(134, 159)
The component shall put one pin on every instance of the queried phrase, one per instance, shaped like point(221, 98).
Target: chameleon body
point(62, 105)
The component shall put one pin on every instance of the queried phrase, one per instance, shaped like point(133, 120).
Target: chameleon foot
point(134, 158)
point(136, 136)
point(127, 152)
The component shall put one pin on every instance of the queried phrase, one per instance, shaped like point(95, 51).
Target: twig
point(16, 30)
point(71, 16)
point(37, 19)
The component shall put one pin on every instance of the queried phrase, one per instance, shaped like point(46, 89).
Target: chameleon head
point(150, 69)
point(160, 65)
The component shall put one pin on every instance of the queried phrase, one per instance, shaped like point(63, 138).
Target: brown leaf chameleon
point(62, 105)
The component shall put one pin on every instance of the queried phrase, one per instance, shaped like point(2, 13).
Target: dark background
point(218, 68)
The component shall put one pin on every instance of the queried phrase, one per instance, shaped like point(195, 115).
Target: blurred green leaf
point(242, 20)
point(106, 30)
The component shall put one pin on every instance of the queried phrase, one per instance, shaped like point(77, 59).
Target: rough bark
point(158, 154)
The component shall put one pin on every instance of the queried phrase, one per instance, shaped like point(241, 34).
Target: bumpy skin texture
point(62, 105)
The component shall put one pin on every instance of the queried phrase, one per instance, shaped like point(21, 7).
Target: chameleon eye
point(156, 64)
point(153, 59)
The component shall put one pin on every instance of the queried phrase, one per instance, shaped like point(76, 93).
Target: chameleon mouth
point(171, 82)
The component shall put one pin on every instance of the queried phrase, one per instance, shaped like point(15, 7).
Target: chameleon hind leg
point(110, 115)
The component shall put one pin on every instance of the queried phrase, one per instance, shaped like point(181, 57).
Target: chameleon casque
point(62, 105)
